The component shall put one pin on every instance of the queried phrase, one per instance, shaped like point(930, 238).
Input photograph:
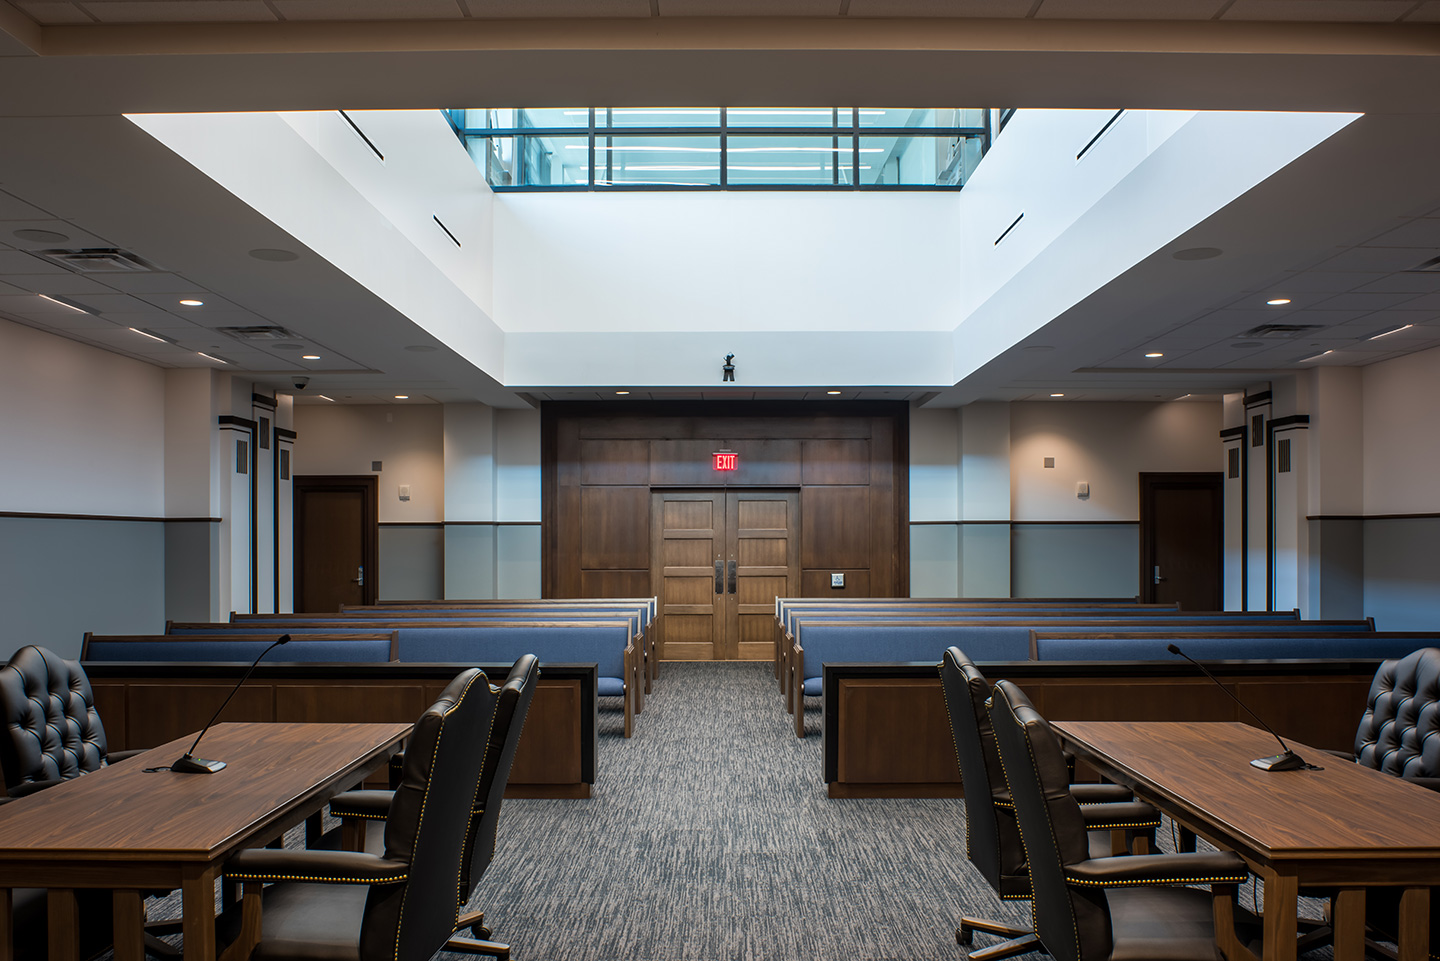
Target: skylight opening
point(725, 148)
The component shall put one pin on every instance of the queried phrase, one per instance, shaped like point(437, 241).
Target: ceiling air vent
point(1431, 266)
point(258, 334)
point(1280, 331)
point(99, 260)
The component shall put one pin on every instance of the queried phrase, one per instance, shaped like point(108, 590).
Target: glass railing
point(735, 148)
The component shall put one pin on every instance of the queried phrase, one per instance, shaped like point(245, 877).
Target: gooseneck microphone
point(189, 763)
point(1286, 760)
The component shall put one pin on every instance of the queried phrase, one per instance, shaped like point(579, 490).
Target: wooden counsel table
point(1345, 828)
point(124, 829)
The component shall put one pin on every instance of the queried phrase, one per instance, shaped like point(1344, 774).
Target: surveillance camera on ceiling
point(300, 382)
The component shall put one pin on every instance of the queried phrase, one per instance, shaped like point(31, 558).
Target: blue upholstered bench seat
point(185, 649)
point(1254, 646)
point(900, 642)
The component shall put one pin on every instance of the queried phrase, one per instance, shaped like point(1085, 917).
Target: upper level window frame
point(839, 130)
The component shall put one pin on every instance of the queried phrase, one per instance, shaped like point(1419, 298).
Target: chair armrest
point(30, 787)
point(114, 756)
point(370, 805)
point(1223, 867)
point(1122, 814)
point(1100, 793)
point(1431, 783)
point(322, 867)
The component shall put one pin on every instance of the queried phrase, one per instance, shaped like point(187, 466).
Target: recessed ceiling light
point(621, 393)
point(1197, 253)
point(63, 302)
point(274, 254)
point(218, 360)
point(323, 397)
point(1057, 395)
point(1278, 301)
point(1392, 330)
point(402, 396)
point(41, 236)
point(310, 357)
point(146, 333)
point(832, 392)
point(1154, 354)
point(192, 303)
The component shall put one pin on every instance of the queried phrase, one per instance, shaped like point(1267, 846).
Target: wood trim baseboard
point(1371, 517)
point(41, 515)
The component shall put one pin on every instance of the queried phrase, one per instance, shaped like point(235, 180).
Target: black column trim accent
point(1294, 420)
point(1230, 433)
point(263, 401)
point(1252, 400)
point(230, 420)
point(283, 434)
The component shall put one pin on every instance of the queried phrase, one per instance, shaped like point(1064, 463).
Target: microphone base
point(1289, 761)
point(196, 765)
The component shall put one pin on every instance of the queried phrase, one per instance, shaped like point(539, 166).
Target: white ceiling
point(1338, 233)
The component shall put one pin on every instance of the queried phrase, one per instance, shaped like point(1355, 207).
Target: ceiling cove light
point(323, 397)
point(1278, 302)
point(1306, 360)
point(192, 303)
point(218, 360)
point(57, 299)
point(1392, 330)
point(146, 333)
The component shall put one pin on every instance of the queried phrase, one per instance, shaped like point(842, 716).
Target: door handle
point(1158, 578)
point(719, 577)
point(732, 577)
point(360, 579)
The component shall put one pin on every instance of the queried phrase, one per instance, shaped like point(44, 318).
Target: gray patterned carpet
point(709, 836)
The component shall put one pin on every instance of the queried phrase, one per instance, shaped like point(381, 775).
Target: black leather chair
point(52, 731)
point(1101, 909)
point(357, 906)
point(511, 707)
point(992, 839)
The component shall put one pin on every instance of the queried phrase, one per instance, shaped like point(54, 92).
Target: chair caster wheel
point(964, 935)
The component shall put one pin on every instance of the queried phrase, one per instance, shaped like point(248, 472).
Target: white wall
point(1402, 448)
point(407, 440)
point(1108, 445)
point(83, 428)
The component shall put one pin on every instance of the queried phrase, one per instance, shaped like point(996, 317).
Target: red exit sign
point(726, 460)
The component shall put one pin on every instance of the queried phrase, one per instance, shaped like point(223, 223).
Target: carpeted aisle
point(709, 836)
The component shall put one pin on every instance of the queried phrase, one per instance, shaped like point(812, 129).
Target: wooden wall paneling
point(684, 463)
point(836, 529)
point(889, 509)
point(614, 461)
point(817, 583)
point(1334, 727)
point(613, 584)
point(896, 732)
point(349, 703)
point(614, 528)
point(553, 722)
point(160, 712)
point(110, 705)
point(1123, 699)
point(837, 462)
point(765, 463)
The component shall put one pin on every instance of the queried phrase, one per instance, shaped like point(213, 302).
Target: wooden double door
point(718, 560)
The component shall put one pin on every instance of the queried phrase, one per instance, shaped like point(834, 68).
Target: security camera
point(300, 382)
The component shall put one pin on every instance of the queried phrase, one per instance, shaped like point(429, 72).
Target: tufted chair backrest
point(1399, 732)
point(51, 729)
point(1073, 923)
point(992, 838)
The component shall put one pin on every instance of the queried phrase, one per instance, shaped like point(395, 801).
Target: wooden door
point(687, 531)
point(762, 563)
point(1181, 540)
point(336, 535)
point(718, 561)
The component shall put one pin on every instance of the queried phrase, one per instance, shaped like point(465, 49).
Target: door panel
point(723, 613)
point(1181, 540)
point(336, 536)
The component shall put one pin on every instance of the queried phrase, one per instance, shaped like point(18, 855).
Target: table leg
point(129, 909)
point(1348, 921)
point(7, 934)
point(197, 893)
point(1281, 927)
point(1414, 941)
point(64, 924)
